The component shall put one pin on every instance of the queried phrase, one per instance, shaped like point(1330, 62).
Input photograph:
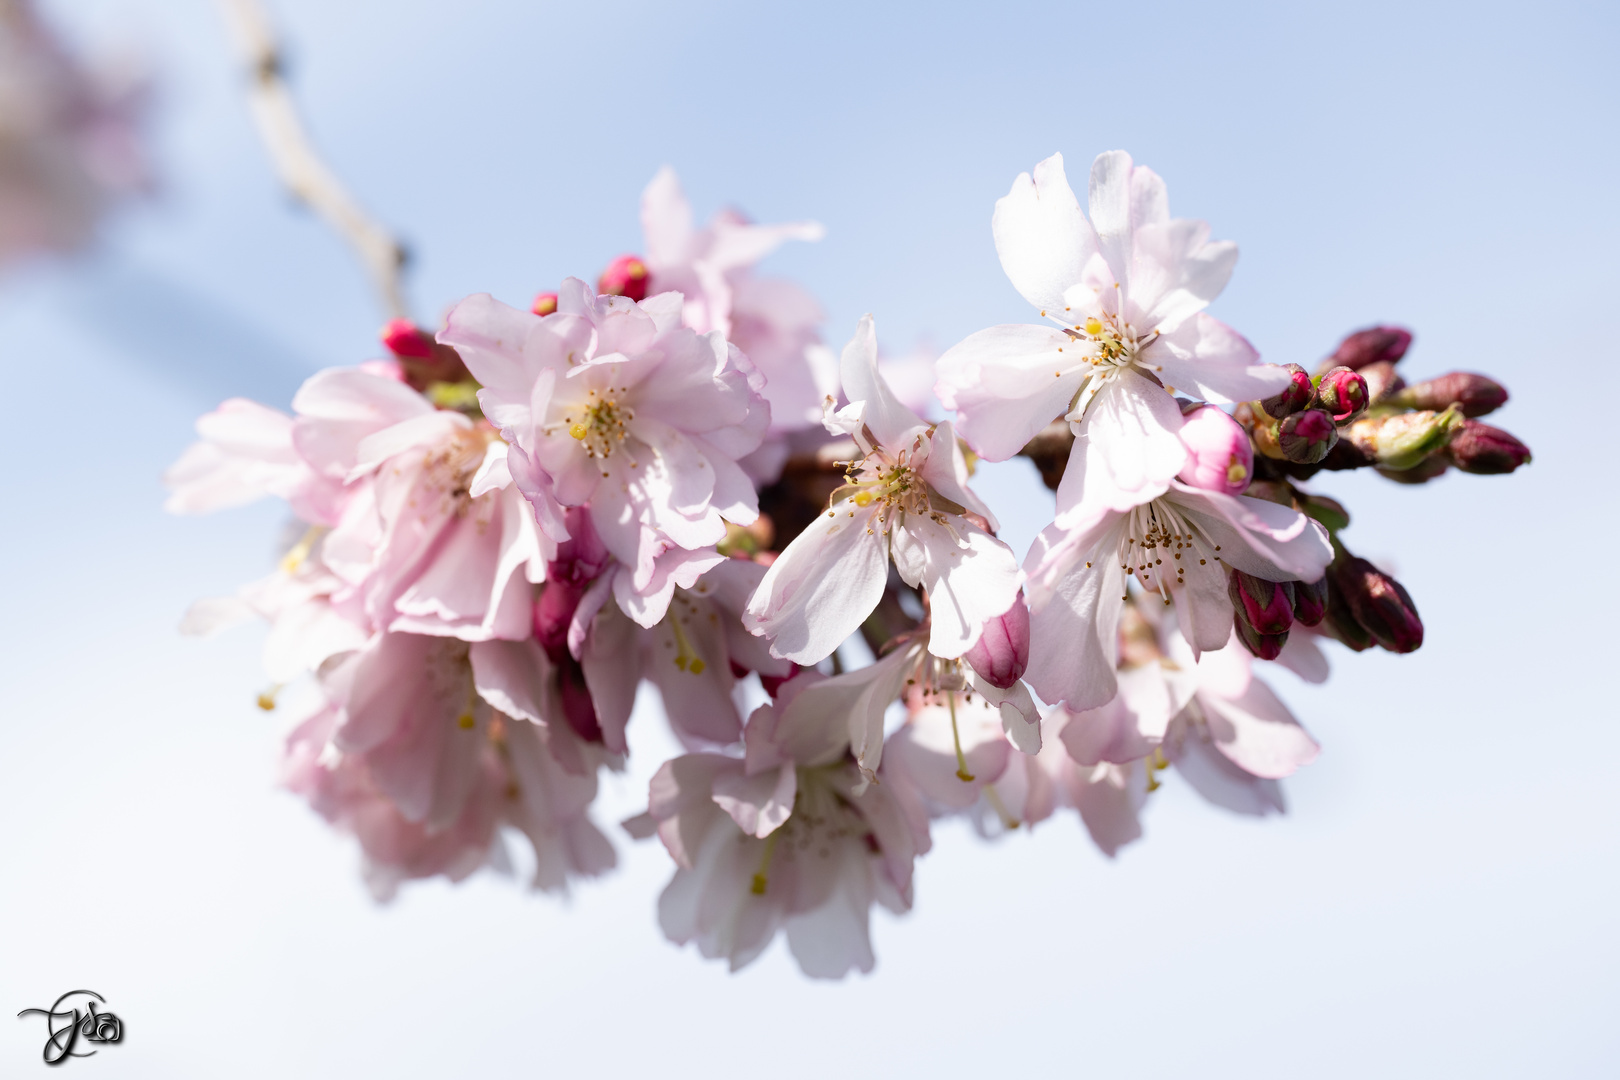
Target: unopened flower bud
point(1002, 652)
point(1405, 439)
point(404, 338)
point(1306, 437)
point(1310, 601)
point(578, 708)
point(1380, 604)
point(583, 556)
point(1266, 606)
point(625, 276)
point(1295, 397)
point(422, 360)
point(1474, 395)
point(1219, 454)
point(1264, 646)
point(1370, 346)
point(1485, 450)
point(1382, 380)
point(544, 304)
point(1341, 624)
point(1343, 393)
point(553, 611)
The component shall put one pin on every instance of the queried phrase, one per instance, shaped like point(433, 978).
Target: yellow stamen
point(864, 498)
point(466, 722)
point(578, 431)
point(1094, 326)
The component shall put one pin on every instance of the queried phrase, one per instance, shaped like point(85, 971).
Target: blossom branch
point(296, 162)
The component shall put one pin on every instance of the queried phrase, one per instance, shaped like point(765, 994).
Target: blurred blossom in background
point(1440, 895)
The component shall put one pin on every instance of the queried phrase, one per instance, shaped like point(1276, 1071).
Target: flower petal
point(1042, 237)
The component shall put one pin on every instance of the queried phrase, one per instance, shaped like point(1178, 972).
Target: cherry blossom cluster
point(69, 138)
point(507, 527)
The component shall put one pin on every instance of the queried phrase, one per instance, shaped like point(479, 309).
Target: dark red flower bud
point(404, 338)
point(1343, 393)
point(1267, 606)
point(1294, 398)
point(1380, 604)
point(1265, 646)
point(1485, 450)
point(1310, 601)
point(578, 707)
point(625, 276)
point(1474, 394)
point(1306, 437)
point(1002, 652)
point(1370, 346)
point(544, 304)
point(1341, 623)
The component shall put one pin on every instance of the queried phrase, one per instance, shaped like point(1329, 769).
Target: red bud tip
point(1370, 346)
point(404, 338)
point(1310, 601)
point(544, 304)
point(1264, 646)
point(625, 276)
point(1265, 606)
point(1295, 397)
point(1380, 604)
point(1343, 394)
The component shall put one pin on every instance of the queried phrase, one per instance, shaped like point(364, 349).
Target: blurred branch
point(297, 164)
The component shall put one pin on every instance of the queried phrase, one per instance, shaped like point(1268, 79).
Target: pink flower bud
point(1379, 604)
point(544, 304)
point(1292, 399)
point(553, 611)
point(1219, 454)
point(625, 276)
point(1306, 437)
point(1343, 394)
point(1266, 606)
point(1002, 652)
point(404, 338)
point(1372, 345)
point(1474, 395)
point(1485, 450)
point(582, 557)
point(1264, 646)
point(1310, 601)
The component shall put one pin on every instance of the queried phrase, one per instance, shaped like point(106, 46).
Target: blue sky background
point(1442, 896)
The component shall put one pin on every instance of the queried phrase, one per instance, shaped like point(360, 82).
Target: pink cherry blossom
point(1126, 292)
point(787, 838)
point(245, 453)
point(614, 403)
point(771, 320)
point(906, 500)
point(1176, 546)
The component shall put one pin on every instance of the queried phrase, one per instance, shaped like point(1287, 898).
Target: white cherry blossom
point(906, 500)
point(1124, 295)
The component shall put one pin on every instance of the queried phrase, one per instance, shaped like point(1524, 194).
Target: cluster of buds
point(667, 478)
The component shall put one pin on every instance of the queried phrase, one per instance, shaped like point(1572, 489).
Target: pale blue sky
point(1440, 899)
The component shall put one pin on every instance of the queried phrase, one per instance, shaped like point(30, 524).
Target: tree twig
point(296, 162)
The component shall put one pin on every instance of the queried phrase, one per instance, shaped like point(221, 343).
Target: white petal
point(1008, 382)
point(822, 587)
point(1126, 448)
point(969, 576)
point(1042, 237)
